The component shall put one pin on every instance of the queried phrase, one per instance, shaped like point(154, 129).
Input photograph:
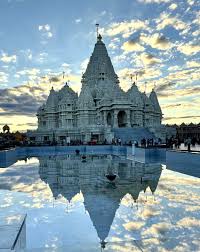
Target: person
point(119, 141)
point(105, 141)
point(68, 140)
point(189, 144)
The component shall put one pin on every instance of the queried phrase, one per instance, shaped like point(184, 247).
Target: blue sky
point(158, 39)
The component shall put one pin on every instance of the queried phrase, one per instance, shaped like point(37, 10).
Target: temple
point(68, 175)
point(102, 111)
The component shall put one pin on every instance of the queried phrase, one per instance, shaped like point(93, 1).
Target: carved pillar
point(115, 120)
point(128, 118)
point(105, 118)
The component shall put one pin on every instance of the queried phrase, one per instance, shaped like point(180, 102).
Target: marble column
point(115, 120)
point(128, 118)
point(105, 118)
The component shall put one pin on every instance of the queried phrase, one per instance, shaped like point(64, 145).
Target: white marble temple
point(101, 106)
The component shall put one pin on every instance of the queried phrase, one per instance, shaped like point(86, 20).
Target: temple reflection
point(71, 174)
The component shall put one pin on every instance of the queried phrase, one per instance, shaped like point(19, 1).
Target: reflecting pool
point(102, 202)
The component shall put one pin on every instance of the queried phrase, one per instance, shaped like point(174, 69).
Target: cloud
point(173, 6)
point(126, 28)
point(8, 59)
point(133, 226)
point(41, 57)
point(78, 20)
point(149, 59)
point(44, 27)
point(83, 65)
point(3, 77)
point(145, 74)
point(26, 99)
point(180, 117)
point(54, 79)
point(156, 41)
point(65, 65)
point(173, 68)
point(26, 124)
point(193, 64)
point(46, 32)
point(165, 86)
point(190, 2)
point(32, 71)
point(166, 19)
point(189, 49)
point(132, 45)
point(171, 105)
point(158, 229)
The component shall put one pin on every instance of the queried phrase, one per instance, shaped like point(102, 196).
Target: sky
point(157, 39)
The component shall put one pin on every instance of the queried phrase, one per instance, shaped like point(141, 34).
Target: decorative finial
point(50, 84)
point(68, 80)
point(131, 77)
point(136, 75)
point(99, 37)
point(97, 26)
point(103, 244)
point(154, 87)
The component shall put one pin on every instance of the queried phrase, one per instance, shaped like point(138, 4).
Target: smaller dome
point(52, 100)
point(147, 102)
point(135, 95)
point(67, 91)
point(85, 99)
point(153, 98)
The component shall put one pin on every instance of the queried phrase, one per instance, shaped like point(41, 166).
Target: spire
point(99, 67)
point(52, 99)
point(135, 95)
point(153, 98)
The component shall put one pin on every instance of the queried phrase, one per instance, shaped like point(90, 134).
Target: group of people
point(116, 141)
point(176, 143)
point(150, 142)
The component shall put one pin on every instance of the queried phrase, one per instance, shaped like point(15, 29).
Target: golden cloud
point(149, 59)
point(189, 49)
point(188, 222)
point(132, 45)
point(156, 41)
point(173, 6)
point(8, 59)
point(167, 20)
point(131, 226)
point(126, 28)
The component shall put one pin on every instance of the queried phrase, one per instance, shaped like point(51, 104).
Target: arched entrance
point(122, 119)
point(109, 119)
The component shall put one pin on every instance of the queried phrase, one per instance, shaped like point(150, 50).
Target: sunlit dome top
point(100, 65)
point(85, 99)
point(154, 100)
point(135, 95)
point(66, 91)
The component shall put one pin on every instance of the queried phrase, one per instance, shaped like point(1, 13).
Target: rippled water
point(71, 203)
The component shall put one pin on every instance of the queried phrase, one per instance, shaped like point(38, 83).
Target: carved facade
point(101, 107)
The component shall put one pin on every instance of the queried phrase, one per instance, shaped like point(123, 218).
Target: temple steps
point(132, 134)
